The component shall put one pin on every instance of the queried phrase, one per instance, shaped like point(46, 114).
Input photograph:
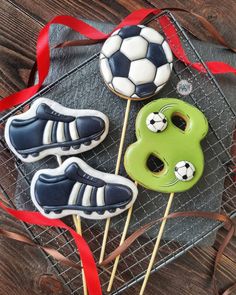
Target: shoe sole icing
point(88, 212)
point(71, 147)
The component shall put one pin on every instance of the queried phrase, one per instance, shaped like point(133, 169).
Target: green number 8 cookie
point(178, 148)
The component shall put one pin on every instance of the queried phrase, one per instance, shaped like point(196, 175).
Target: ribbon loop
point(136, 17)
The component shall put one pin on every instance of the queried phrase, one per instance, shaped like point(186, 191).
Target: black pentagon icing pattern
point(145, 90)
point(119, 64)
point(156, 54)
point(129, 31)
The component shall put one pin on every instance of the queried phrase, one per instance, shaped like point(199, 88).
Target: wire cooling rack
point(216, 191)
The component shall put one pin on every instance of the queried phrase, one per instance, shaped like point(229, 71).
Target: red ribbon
point(90, 271)
point(136, 17)
point(215, 67)
point(43, 63)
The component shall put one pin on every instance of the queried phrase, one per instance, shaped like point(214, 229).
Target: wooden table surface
point(24, 270)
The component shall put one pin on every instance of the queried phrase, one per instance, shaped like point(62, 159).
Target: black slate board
point(85, 89)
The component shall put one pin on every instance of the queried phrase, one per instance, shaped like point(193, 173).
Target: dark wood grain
point(18, 35)
point(24, 270)
point(219, 13)
point(21, 21)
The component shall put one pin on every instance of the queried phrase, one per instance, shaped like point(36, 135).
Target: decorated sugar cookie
point(177, 148)
point(136, 62)
point(49, 128)
point(76, 188)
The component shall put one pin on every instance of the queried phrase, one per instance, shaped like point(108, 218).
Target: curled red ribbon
point(90, 270)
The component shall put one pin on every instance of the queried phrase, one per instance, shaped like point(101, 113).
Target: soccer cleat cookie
point(49, 128)
point(76, 188)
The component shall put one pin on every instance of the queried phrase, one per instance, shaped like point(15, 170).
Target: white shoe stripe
point(86, 197)
point(74, 193)
point(100, 196)
point(73, 130)
point(60, 132)
point(47, 133)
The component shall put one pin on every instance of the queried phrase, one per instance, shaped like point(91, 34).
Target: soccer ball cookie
point(136, 62)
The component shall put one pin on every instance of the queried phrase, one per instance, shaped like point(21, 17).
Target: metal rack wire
point(216, 191)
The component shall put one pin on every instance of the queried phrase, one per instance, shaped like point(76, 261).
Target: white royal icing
point(74, 193)
point(86, 196)
point(106, 71)
point(152, 35)
point(47, 133)
point(60, 132)
point(134, 48)
point(168, 51)
point(162, 75)
point(111, 45)
point(142, 71)
point(73, 130)
point(123, 86)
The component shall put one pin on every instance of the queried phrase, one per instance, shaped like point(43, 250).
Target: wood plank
point(189, 274)
point(24, 269)
point(97, 10)
point(17, 48)
point(230, 251)
point(222, 17)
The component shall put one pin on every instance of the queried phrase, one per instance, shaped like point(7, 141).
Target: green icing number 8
point(178, 149)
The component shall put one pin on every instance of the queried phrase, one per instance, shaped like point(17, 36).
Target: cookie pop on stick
point(73, 188)
point(48, 128)
point(135, 63)
point(178, 148)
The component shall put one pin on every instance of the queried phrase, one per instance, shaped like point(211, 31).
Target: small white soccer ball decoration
point(184, 170)
point(136, 62)
point(156, 122)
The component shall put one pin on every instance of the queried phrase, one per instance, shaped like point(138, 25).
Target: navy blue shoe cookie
point(76, 188)
point(49, 128)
